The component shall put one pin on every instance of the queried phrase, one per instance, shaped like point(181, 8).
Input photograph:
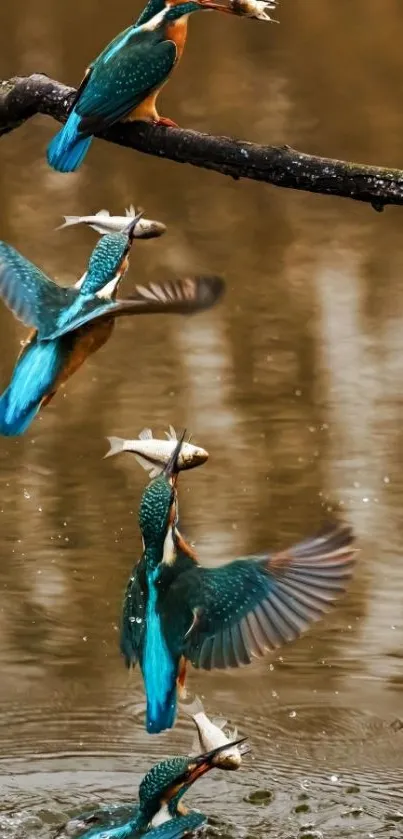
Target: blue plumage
point(32, 379)
point(134, 65)
point(159, 668)
point(218, 617)
point(68, 148)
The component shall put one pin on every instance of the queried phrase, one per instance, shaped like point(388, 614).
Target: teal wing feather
point(121, 80)
point(32, 297)
point(133, 618)
point(152, 8)
point(177, 827)
point(111, 817)
point(252, 605)
point(184, 296)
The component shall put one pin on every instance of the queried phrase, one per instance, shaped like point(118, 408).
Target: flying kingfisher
point(160, 813)
point(69, 324)
point(176, 611)
point(124, 81)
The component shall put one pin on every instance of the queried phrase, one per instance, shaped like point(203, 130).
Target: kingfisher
point(123, 82)
point(176, 611)
point(70, 323)
point(160, 813)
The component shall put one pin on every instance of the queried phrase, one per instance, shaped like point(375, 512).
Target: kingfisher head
point(109, 261)
point(158, 514)
point(161, 790)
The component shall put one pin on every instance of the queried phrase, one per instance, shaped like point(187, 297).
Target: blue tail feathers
point(14, 422)
point(159, 717)
point(33, 378)
point(67, 150)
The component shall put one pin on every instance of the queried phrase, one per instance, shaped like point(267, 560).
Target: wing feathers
point(258, 604)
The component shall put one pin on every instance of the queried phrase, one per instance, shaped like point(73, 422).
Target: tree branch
point(22, 98)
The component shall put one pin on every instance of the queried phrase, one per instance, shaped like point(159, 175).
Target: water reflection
point(293, 385)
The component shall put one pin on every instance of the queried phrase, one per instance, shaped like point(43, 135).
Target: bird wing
point(184, 296)
point(106, 821)
point(32, 297)
point(178, 826)
point(123, 76)
point(259, 603)
point(133, 617)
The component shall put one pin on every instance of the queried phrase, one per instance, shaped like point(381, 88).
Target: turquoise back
point(154, 512)
point(158, 779)
point(105, 261)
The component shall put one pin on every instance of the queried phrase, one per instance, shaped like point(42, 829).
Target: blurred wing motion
point(193, 294)
point(253, 605)
point(28, 292)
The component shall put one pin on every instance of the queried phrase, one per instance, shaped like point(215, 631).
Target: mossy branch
point(22, 98)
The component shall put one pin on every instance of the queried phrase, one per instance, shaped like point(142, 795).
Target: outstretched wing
point(29, 293)
point(181, 297)
point(123, 76)
point(253, 605)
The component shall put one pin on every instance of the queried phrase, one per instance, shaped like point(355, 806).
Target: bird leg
point(182, 678)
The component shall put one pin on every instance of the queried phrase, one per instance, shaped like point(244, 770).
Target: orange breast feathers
point(147, 111)
point(88, 339)
point(177, 32)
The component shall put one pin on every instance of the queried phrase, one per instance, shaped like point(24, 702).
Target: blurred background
point(293, 384)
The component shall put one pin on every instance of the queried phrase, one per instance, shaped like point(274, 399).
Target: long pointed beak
point(171, 470)
point(216, 7)
point(197, 767)
point(129, 230)
point(203, 763)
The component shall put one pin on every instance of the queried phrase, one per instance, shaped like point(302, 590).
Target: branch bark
point(21, 98)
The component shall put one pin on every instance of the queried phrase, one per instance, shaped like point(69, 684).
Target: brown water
point(294, 386)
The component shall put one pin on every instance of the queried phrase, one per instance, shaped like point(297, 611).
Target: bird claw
point(168, 123)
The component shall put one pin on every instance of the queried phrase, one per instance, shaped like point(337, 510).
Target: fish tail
point(117, 445)
point(67, 150)
point(193, 708)
point(68, 222)
point(13, 420)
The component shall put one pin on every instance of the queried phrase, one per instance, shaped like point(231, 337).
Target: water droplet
point(334, 779)
point(292, 714)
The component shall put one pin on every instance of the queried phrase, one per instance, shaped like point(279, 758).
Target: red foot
point(169, 123)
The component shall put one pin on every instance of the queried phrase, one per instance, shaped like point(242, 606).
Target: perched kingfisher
point(68, 324)
point(160, 813)
point(176, 611)
point(124, 81)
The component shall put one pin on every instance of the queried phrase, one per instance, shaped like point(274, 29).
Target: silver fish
point(154, 454)
point(211, 734)
point(103, 223)
point(257, 9)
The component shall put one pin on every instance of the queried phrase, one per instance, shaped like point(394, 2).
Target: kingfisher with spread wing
point(70, 323)
point(176, 611)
